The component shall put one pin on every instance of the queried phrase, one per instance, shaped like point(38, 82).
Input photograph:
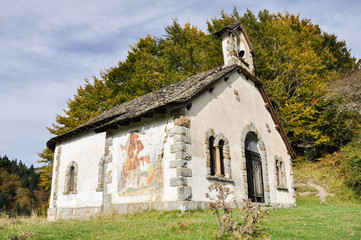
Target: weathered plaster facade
point(86, 150)
point(164, 157)
point(222, 111)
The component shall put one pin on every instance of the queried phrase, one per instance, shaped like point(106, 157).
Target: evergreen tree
point(21, 186)
point(2, 201)
point(25, 210)
point(17, 209)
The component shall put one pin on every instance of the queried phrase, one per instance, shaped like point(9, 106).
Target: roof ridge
point(176, 93)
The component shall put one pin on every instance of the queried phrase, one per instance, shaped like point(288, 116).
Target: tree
point(343, 61)
point(17, 208)
point(296, 61)
point(2, 201)
point(47, 169)
point(9, 184)
point(24, 201)
point(19, 187)
point(349, 88)
point(152, 63)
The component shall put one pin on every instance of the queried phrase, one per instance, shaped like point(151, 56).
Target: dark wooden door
point(254, 176)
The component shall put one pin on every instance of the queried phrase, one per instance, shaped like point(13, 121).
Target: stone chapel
point(162, 150)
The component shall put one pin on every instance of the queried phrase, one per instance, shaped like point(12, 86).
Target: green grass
point(327, 177)
point(309, 220)
point(313, 220)
point(147, 225)
point(338, 218)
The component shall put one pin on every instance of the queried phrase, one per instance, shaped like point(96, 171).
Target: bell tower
point(236, 47)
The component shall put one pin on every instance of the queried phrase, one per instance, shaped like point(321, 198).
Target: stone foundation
point(84, 213)
point(124, 208)
point(73, 213)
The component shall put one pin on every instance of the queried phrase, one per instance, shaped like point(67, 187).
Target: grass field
point(336, 219)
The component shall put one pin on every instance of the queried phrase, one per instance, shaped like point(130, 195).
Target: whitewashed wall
point(228, 109)
point(86, 150)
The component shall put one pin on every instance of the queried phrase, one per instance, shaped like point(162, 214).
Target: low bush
point(240, 223)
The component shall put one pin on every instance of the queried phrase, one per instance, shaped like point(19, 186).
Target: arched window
point(72, 179)
point(218, 156)
point(212, 157)
point(71, 176)
point(280, 173)
point(221, 156)
point(254, 169)
point(100, 175)
point(253, 145)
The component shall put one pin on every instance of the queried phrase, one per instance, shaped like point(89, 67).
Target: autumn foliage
point(20, 189)
point(296, 61)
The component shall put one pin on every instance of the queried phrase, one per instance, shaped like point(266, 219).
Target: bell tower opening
point(236, 47)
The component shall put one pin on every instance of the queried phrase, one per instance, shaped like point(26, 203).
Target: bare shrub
point(240, 222)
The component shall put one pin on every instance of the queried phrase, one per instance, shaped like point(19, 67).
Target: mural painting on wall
point(140, 169)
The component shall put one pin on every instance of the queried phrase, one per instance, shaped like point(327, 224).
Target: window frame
point(71, 177)
point(281, 179)
point(218, 157)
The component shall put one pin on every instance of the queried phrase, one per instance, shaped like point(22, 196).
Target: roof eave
point(105, 125)
point(275, 119)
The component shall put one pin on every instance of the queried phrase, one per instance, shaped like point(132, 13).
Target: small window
point(280, 174)
point(100, 175)
point(218, 156)
point(71, 178)
point(212, 157)
point(221, 156)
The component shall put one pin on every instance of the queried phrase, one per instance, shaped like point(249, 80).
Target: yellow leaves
point(23, 197)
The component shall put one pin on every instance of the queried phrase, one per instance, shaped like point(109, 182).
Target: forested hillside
point(20, 188)
point(299, 64)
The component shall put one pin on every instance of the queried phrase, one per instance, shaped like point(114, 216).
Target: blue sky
point(48, 48)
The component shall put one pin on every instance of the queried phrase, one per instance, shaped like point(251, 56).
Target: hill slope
point(338, 217)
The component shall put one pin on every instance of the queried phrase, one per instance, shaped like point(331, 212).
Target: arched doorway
point(254, 169)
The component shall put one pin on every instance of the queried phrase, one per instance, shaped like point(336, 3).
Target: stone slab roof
point(176, 95)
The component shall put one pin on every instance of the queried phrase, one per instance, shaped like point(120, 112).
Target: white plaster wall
point(225, 37)
point(158, 127)
point(86, 150)
point(281, 196)
point(248, 56)
point(199, 182)
point(221, 111)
